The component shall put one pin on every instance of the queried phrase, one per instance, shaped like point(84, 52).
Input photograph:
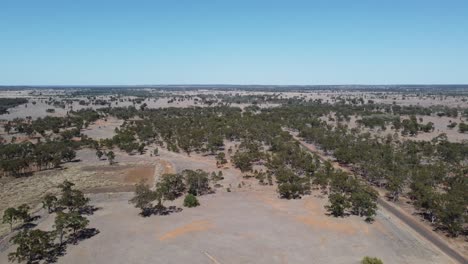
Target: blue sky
point(233, 42)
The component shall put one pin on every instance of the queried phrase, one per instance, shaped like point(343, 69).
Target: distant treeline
point(437, 89)
point(6, 103)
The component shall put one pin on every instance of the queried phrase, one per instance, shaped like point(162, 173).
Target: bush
point(371, 260)
point(191, 201)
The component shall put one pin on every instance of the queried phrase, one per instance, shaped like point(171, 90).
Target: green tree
point(99, 154)
point(173, 185)
point(7, 127)
point(338, 204)
point(143, 198)
point(243, 161)
point(23, 213)
point(76, 222)
point(32, 245)
point(141, 148)
point(68, 154)
point(72, 199)
point(197, 182)
point(61, 225)
point(364, 202)
point(395, 184)
point(169, 188)
point(371, 260)
point(10, 216)
point(191, 200)
point(452, 206)
point(221, 158)
point(50, 202)
point(110, 156)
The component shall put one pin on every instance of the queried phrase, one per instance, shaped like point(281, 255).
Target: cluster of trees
point(462, 127)
point(74, 119)
point(110, 155)
point(169, 188)
point(297, 172)
point(70, 225)
point(349, 195)
point(23, 158)
point(125, 140)
point(396, 165)
point(6, 103)
point(443, 201)
point(379, 120)
point(13, 215)
point(205, 129)
point(411, 126)
point(386, 162)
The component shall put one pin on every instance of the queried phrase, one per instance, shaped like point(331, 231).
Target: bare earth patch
point(196, 226)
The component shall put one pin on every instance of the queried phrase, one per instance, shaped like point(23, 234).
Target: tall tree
point(32, 245)
point(338, 204)
point(49, 202)
point(143, 198)
point(10, 215)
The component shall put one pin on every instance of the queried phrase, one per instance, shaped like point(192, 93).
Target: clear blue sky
point(233, 42)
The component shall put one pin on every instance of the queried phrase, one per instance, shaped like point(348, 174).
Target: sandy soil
point(102, 129)
point(242, 227)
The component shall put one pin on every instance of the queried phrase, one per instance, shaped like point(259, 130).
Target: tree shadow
point(345, 214)
point(89, 210)
point(83, 235)
point(59, 250)
point(55, 252)
point(160, 210)
point(29, 224)
point(166, 210)
point(23, 174)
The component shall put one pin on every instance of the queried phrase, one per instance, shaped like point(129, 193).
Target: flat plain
point(242, 221)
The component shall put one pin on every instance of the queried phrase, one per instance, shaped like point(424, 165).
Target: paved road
point(416, 226)
point(423, 231)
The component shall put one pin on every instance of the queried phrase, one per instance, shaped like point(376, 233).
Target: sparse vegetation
point(377, 143)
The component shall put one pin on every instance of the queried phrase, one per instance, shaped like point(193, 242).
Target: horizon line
point(226, 84)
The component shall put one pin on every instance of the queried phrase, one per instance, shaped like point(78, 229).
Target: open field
point(243, 226)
